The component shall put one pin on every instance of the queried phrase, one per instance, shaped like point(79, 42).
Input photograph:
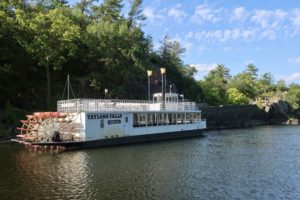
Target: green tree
point(135, 14)
point(169, 57)
point(51, 40)
point(293, 96)
point(189, 71)
point(215, 85)
point(117, 52)
point(236, 97)
point(246, 82)
point(281, 86)
point(109, 10)
point(83, 5)
point(15, 63)
point(265, 83)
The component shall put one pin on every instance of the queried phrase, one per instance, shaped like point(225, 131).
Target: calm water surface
point(257, 163)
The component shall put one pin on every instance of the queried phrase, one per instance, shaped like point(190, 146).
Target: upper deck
point(97, 105)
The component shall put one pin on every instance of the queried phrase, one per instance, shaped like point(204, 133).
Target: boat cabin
point(169, 97)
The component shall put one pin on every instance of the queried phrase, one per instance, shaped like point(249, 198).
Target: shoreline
point(5, 139)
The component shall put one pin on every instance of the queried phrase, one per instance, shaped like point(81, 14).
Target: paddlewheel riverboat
point(83, 123)
point(101, 122)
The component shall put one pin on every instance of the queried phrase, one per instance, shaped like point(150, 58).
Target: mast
point(69, 89)
point(68, 86)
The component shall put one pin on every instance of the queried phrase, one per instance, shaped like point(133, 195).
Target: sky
point(234, 33)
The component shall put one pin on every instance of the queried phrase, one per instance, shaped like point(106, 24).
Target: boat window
point(154, 118)
point(198, 117)
point(160, 118)
point(187, 117)
point(165, 118)
point(142, 119)
point(174, 118)
point(158, 99)
point(126, 119)
point(170, 118)
point(102, 123)
point(149, 119)
point(192, 118)
point(135, 120)
point(180, 118)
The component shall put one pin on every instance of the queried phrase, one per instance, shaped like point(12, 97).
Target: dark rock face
point(237, 116)
point(277, 110)
point(243, 116)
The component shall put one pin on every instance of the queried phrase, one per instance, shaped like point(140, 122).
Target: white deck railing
point(96, 105)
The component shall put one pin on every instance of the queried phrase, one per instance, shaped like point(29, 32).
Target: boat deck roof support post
point(163, 72)
point(149, 73)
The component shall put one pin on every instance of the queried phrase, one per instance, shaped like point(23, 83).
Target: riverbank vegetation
point(103, 47)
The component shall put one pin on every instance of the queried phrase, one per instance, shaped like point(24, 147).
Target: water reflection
point(259, 163)
point(41, 175)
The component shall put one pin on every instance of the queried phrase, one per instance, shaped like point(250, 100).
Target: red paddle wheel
point(49, 127)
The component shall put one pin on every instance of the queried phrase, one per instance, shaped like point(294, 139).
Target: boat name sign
point(104, 116)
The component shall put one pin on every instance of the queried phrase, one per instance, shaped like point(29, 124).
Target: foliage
point(281, 86)
point(51, 40)
point(135, 14)
point(246, 82)
point(180, 76)
point(215, 85)
point(247, 87)
point(236, 97)
point(265, 83)
point(11, 116)
point(293, 96)
point(109, 10)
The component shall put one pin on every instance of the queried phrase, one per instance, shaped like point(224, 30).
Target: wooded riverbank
point(107, 55)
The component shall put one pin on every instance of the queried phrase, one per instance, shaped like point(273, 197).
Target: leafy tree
point(251, 70)
point(293, 96)
point(169, 57)
point(265, 83)
point(109, 10)
point(135, 14)
point(84, 5)
point(236, 97)
point(246, 82)
point(215, 85)
point(51, 40)
point(14, 61)
point(188, 71)
point(281, 86)
point(117, 52)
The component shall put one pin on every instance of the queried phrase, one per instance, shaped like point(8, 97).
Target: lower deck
point(56, 127)
point(122, 124)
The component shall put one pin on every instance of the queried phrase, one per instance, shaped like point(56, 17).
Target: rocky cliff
point(243, 116)
point(237, 116)
point(277, 111)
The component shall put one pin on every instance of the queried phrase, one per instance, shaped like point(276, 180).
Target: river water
point(255, 163)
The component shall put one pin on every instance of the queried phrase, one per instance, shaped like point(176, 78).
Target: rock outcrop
point(234, 116)
point(277, 110)
point(243, 116)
